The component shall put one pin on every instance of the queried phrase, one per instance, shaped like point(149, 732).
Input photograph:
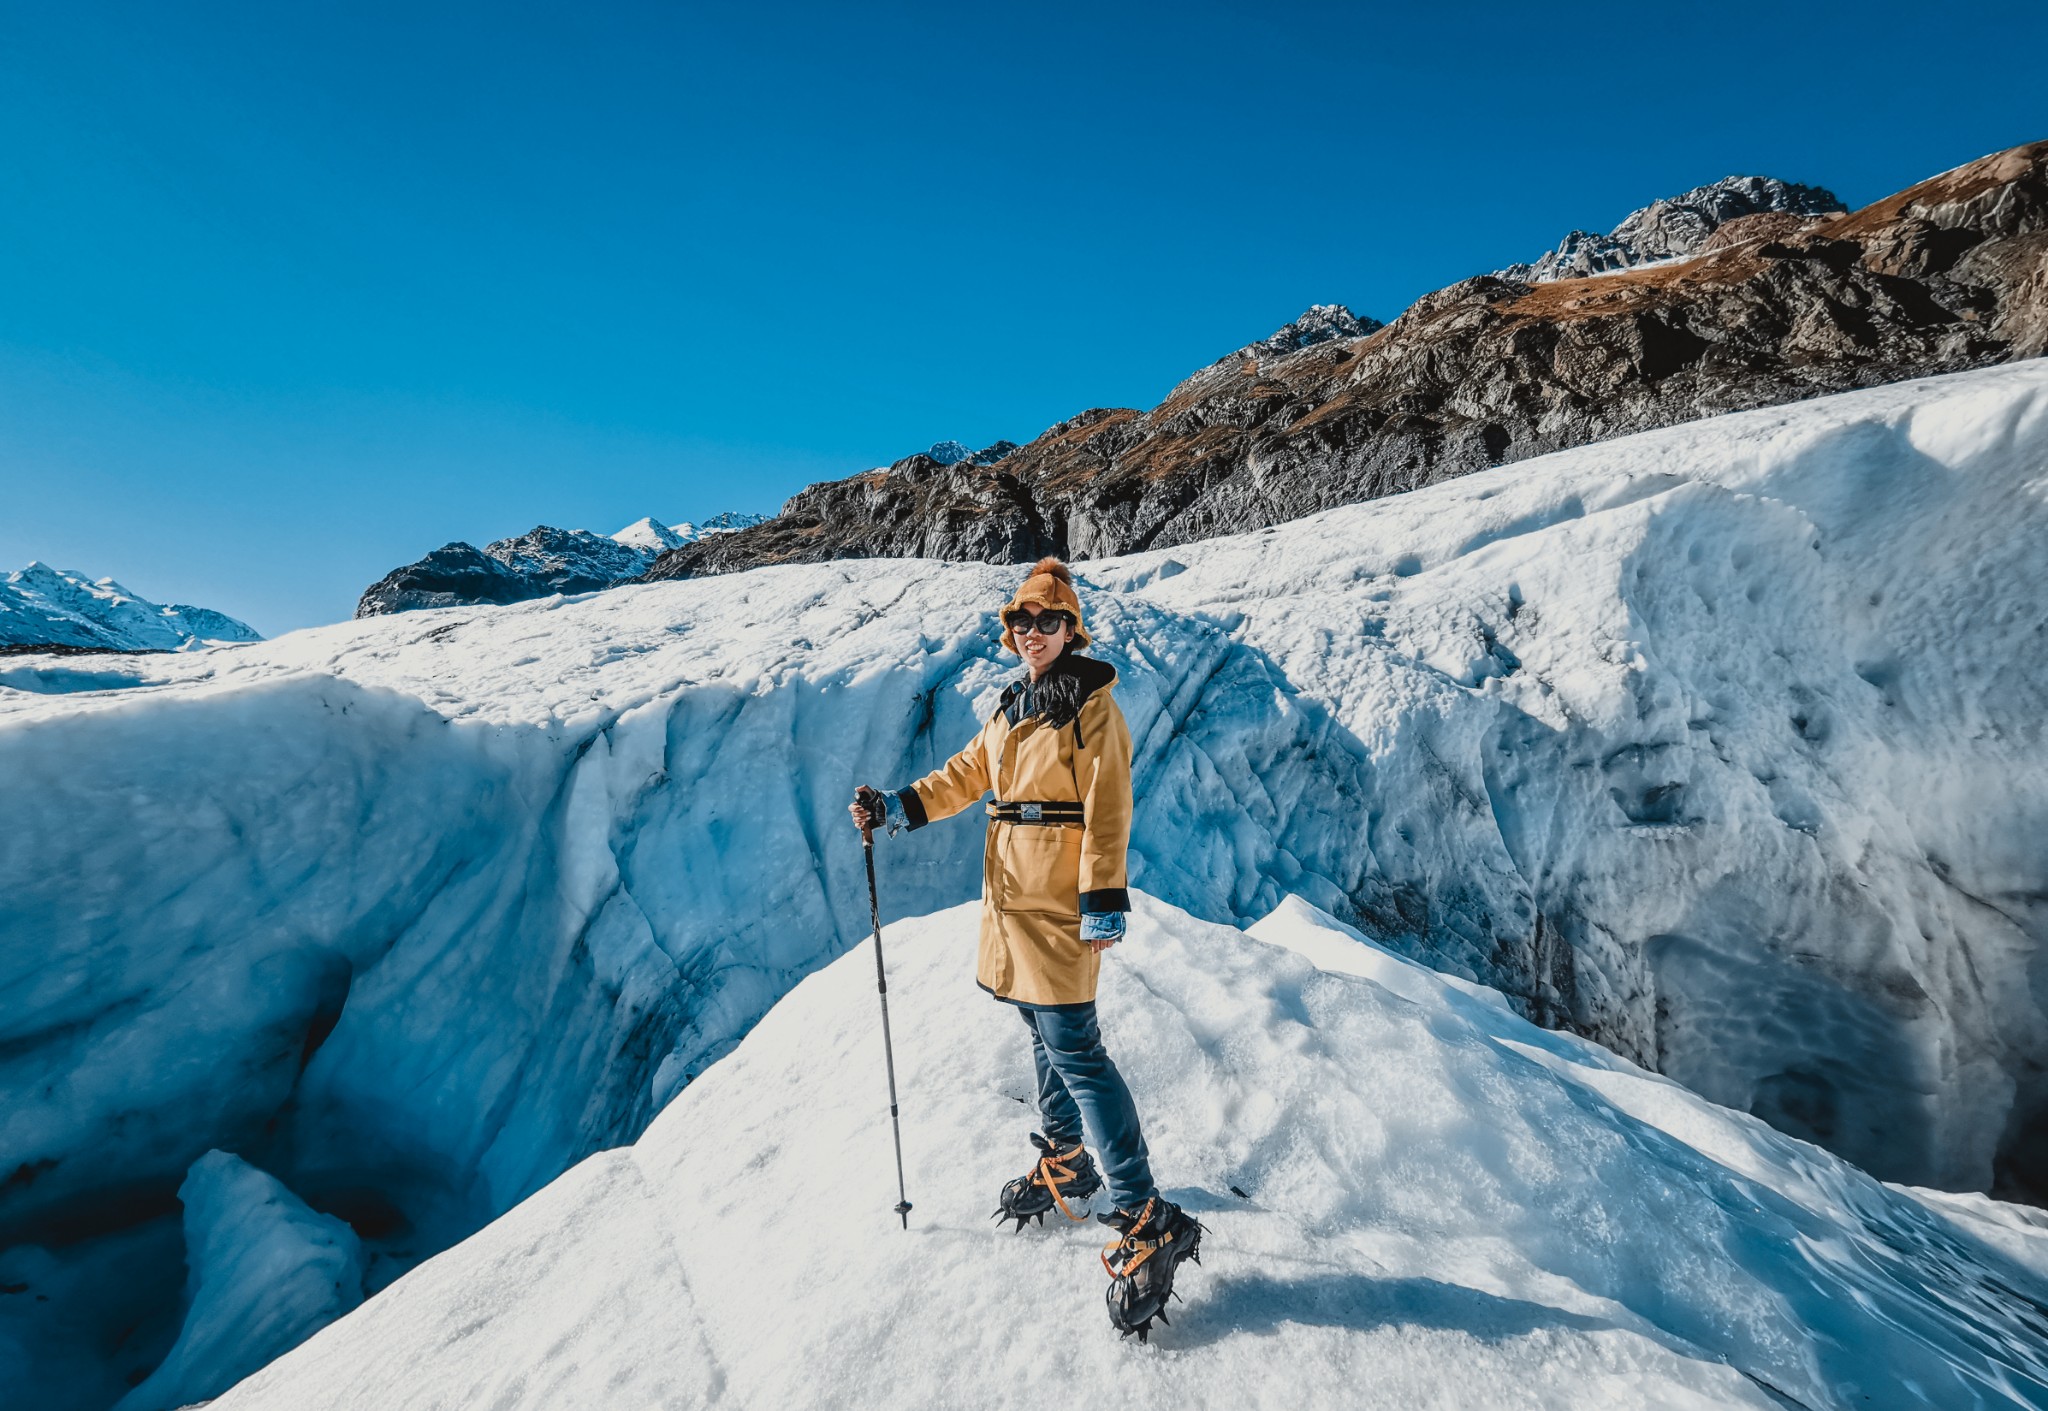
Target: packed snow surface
point(1722, 744)
point(1412, 1198)
point(44, 606)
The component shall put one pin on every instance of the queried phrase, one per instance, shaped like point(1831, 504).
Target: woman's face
point(1040, 649)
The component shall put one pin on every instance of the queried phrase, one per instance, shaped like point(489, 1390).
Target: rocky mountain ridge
point(541, 562)
point(1677, 227)
point(1777, 305)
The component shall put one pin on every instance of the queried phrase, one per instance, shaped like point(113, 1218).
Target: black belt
point(1051, 815)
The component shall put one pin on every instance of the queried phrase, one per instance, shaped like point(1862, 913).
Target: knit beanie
point(1049, 585)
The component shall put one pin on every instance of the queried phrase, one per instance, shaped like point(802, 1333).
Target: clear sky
point(292, 293)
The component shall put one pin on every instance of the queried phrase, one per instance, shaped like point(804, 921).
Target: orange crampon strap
point(1141, 1249)
point(1050, 1173)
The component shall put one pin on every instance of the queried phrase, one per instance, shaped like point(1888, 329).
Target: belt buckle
point(1030, 813)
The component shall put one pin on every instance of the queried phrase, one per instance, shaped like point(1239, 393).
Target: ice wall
point(1720, 744)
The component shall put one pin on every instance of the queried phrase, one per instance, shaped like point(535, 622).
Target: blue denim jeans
point(1079, 1089)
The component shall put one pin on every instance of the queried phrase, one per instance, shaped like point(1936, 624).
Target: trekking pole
point(867, 841)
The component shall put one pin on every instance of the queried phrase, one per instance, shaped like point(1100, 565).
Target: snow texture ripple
point(1721, 744)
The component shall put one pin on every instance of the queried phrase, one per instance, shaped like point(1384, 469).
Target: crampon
point(1150, 1245)
point(1060, 1176)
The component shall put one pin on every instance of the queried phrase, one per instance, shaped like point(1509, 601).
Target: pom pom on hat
point(1050, 584)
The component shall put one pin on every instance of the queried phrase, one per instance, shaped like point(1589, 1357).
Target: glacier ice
point(1412, 1198)
point(1719, 744)
point(266, 1274)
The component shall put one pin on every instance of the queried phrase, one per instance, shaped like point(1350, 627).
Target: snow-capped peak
point(41, 606)
point(652, 535)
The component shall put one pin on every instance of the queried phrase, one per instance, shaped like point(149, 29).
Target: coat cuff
point(1106, 899)
point(913, 808)
point(1102, 925)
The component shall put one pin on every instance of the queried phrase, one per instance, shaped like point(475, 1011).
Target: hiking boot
point(1062, 1174)
point(1150, 1245)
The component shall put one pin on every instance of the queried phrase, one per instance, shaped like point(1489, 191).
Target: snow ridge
point(1396, 1174)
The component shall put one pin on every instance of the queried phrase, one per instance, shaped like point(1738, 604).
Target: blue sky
point(290, 294)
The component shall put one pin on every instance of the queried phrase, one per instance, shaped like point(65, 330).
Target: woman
point(1057, 754)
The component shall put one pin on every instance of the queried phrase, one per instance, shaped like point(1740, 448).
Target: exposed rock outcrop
point(1950, 274)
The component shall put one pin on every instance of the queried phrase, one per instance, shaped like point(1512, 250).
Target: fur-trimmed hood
point(1058, 695)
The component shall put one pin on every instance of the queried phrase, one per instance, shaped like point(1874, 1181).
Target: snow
point(45, 606)
point(1722, 743)
point(266, 1274)
point(1442, 1206)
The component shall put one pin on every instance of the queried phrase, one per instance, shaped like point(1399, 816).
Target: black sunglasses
point(1046, 623)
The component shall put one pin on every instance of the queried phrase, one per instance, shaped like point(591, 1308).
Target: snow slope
point(44, 606)
point(1722, 744)
point(1442, 1206)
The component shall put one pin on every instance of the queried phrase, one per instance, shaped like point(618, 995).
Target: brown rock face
point(1949, 274)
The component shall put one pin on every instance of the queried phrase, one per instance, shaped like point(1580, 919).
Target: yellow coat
point(1038, 878)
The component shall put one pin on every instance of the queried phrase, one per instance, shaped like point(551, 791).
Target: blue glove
point(883, 810)
point(1102, 925)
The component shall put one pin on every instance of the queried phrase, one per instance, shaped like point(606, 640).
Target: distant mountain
point(537, 564)
point(1678, 227)
point(727, 522)
point(954, 452)
point(51, 609)
point(651, 534)
point(1741, 294)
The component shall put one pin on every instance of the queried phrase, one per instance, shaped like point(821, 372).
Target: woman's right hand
point(868, 810)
